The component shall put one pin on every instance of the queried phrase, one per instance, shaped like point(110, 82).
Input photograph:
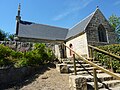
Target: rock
point(62, 68)
point(77, 82)
point(44, 77)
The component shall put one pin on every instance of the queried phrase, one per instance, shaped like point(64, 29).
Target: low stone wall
point(19, 46)
point(77, 82)
point(9, 76)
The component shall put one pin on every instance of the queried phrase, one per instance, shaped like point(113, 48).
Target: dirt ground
point(49, 80)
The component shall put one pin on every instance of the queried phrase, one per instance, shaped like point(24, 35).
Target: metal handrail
point(94, 65)
point(105, 52)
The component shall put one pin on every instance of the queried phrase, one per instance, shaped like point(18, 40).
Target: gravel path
point(50, 80)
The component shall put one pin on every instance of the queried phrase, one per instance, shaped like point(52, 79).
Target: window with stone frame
point(102, 33)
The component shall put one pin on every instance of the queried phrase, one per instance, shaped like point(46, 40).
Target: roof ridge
point(28, 23)
point(90, 19)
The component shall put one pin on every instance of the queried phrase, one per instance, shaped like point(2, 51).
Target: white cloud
point(60, 16)
point(117, 3)
point(73, 6)
point(86, 3)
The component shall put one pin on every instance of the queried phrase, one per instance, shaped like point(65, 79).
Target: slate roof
point(40, 31)
point(80, 27)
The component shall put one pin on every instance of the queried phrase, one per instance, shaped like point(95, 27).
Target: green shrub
point(7, 62)
point(17, 55)
point(33, 57)
point(45, 53)
point(5, 56)
point(105, 59)
point(22, 62)
point(4, 52)
point(40, 55)
point(51, 55)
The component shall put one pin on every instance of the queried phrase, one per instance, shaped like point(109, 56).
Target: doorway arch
point(71, 46)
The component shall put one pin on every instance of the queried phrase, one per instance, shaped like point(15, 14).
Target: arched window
point(102, 33)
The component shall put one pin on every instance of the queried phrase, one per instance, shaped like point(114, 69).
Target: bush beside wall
point(40, 55)
point(105, 59)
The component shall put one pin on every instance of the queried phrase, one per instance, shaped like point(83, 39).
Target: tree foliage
point(115, 23)
point(11, 37)
point(3, 35)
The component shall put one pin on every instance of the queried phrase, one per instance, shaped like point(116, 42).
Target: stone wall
point(77, 82)
point(92, 30)
point(25, 46)
point(19, 46)
point(11, 76)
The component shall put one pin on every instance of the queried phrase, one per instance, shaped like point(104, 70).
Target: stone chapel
point(92, 30)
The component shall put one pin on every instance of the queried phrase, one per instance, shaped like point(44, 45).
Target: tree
point(11, 37)
point(3, 35)
point(115, 23)
point(6, 36)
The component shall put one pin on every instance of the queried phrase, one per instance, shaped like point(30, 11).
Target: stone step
point(91, 61)
point(111, 83)
point(78, 65)
point(71, 62)
point(76, 81)
point(101, 76)
point(81, 69)
point(114, 88)
point(86, 73)
point(79, 61)
point(65, 60)
point(104, 78)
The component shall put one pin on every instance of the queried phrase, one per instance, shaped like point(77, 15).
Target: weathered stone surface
point(62, 68)
point(10, 76)
point(77, 82)
point(92, 30)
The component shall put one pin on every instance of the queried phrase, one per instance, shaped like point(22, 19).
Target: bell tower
point(18, 18)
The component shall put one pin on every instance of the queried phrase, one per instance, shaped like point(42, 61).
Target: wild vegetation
point(107, 60)
point(114, 21)
point(40, 55)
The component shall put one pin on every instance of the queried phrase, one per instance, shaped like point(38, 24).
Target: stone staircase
point(84, 70)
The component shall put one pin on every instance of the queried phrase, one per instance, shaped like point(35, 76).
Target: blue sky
point(61, 13)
